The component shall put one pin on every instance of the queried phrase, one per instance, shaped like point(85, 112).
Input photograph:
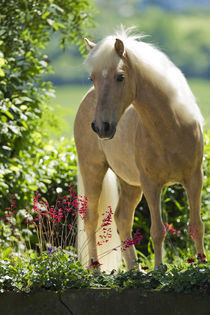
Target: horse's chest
point(120, 151)
point(121, 159)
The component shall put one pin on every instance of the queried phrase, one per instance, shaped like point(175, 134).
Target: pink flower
point(193, 231)
point(132, 241)
point(169, 227)
point(95, 264)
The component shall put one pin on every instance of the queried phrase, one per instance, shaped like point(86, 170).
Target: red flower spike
point(191, 260)
point(95, 264)
point(169, 228)
point(193, 231)
point(144, 267)
point(131, 241)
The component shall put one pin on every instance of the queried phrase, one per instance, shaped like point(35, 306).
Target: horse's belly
point(120, 151)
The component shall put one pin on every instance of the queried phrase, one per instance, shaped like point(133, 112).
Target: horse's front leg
point(93, 176)
point(129, 198)
point(152, 193)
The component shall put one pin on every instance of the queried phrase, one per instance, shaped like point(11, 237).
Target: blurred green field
point(201, 90)
point(68, 99)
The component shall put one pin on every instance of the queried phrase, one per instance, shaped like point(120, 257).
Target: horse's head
point(111, 76)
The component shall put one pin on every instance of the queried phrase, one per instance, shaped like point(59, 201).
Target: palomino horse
point(156, 141)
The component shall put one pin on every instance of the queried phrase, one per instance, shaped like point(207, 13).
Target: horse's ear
point(89, 44)
point(119, 47)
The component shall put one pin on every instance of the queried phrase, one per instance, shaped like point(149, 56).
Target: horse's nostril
point(93, 127)
point(104, 131)
point(106, 126)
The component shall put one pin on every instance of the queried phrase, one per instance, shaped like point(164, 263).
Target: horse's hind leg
point(92, 175)
point(129, 198)
point(196, 227)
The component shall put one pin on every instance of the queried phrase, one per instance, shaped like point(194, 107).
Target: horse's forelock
point(103, 55)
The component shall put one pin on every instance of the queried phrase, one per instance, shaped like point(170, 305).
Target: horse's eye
point(91, 77)
point(120, 77)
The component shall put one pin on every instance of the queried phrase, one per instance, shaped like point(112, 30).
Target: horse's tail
point(109, 253)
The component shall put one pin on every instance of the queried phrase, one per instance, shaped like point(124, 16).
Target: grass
point(69, 97)
point(201, 91)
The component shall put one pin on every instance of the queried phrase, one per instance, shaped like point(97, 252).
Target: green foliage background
point(27, 161)
point(183, 36)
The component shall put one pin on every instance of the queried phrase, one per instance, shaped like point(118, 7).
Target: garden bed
point(55, 283)
point(103, 302)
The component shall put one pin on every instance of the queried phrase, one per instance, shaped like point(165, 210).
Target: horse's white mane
point(153, 64)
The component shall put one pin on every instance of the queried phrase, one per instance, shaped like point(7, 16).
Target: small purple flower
point(51, 250)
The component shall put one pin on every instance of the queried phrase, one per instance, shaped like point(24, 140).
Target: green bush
point(59, 271)
point(50, 170)
point(50, 166)
point(25, 29)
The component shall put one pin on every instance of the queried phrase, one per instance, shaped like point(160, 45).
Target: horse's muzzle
point(106, 131)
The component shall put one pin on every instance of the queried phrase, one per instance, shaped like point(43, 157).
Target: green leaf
point(178, 205)
point(23, 107)
point(8, 114)
point(2, 74)
point(4, 118)
point(45, 15)
point(24, 124)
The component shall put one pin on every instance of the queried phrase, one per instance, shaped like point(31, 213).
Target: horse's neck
point(155, 111)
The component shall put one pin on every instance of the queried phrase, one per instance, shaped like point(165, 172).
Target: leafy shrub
point(187, 280)
point(25, 29)
point(59, 271)
point(50, 171)
point(54, 271)
point(47, 167)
